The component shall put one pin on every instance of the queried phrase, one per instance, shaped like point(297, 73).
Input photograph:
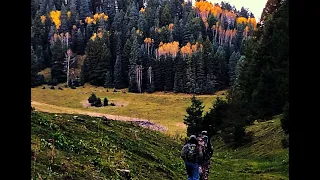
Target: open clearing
point(166, 109)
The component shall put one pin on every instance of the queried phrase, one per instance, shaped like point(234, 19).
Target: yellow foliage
point(252, 22)
point(148, 40)
point(43, 19)
point(74, 27)
point(241, 20)
point(93, 37)
point(69, 14)
point(171, 48)
point(171, 26)
point(55, 17)
point(96, 17)
point(142, 10)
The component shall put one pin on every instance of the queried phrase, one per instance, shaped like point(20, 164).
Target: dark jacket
point(199, 154)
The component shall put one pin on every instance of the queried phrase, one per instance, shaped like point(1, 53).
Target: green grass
point(93, 150)
point(262, 158)
point(166, 109)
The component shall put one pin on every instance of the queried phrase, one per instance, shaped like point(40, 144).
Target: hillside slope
point(87, 148)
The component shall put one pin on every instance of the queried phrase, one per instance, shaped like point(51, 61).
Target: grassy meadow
point(167, 109)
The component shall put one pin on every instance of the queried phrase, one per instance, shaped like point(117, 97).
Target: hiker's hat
point(204, 132)
point(192, 137)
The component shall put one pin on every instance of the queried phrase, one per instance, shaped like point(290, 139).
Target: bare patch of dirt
point(58, 109)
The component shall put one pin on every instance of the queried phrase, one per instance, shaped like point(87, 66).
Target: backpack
point(191, 153)
point(204, 147)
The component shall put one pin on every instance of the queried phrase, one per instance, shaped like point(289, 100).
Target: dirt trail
point(58, 109)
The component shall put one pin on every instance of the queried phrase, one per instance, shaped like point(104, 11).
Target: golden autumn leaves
point(99, 34)
point(96, 17)
point(172, 48)
point(205, 8)
point(56, 18)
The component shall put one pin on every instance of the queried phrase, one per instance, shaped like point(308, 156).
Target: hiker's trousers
point(192, 170)
point(205, 170)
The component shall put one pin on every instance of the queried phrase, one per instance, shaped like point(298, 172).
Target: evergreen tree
point(64, 16)
point(194, 118)
point(150, 12)
point(97, 68)
point(109, 8)
point(179, 77)
point(214, 118)
point(84, 10)
point(58, 49)
point(125, 62)
point(234, 58)
point(165, 17)
point(132, 18)
point(117, 73)
point(222, 64)
point(105, 102)
point(168, 74)
point(34, 69)
point(134, 54)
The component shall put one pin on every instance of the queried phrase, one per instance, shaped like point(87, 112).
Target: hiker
point(192, 155)
point(207, 151)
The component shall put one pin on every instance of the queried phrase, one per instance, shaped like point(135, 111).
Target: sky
point(254, 6)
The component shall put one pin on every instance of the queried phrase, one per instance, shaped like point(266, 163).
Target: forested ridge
point(142, 45)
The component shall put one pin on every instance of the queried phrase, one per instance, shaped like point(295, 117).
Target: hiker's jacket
point(207, 149)
point(198, 152)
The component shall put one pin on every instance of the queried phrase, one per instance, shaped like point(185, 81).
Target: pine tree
point(125, 62)
point(110, 9)
point(234, 58)
point(179, 77)
point(79, 44)
point(58, 50)
point(84, 10)
point(222, 64)
point(132, 18)
point(194, 118)
point(215, 117)
point(143, 24)
point(134, 54)
point(43, 6)
point(97, 67)
point(168, 74)
point(34, 69)
point(150, 12)
point(64, 16)
point(117, 73)
point(165, 17)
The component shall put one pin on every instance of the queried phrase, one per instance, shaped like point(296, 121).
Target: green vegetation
point(87, 148)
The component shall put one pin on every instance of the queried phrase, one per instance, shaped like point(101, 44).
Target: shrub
point(112, 104)
point(98, 103)
point(92, 99)
point(105, 102)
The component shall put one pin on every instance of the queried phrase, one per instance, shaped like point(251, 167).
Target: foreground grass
point(167, 109)
point(263, 158)
point(90, 149)
point(93, 150)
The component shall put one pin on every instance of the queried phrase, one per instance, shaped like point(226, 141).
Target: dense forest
point(145, 46)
